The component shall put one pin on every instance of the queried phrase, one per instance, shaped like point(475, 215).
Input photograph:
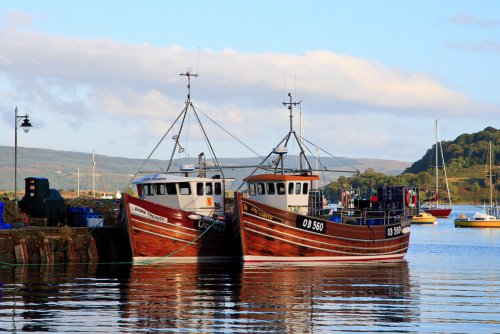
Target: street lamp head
point(26, 125)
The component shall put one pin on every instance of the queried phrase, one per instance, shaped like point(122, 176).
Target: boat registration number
point(310, 224)
point(393, 231)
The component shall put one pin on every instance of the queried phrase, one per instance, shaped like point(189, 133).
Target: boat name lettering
point(155, 179)
point(138, 211)
point(249, 208)
point(310, 224)
point(393, 231)
point(219, 226)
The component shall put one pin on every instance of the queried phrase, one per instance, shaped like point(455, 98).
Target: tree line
point(465, 159)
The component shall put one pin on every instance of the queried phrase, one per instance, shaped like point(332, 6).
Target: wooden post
point(21, 252)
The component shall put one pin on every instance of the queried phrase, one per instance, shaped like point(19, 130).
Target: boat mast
point(437, 172)
point(491, 179)
point(291, 132)
point(184, 113)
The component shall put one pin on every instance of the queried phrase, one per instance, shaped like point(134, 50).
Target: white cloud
point(104, 84)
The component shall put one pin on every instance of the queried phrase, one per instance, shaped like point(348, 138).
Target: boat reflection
point(37, 295)
point(269, 297)
point(218, 297)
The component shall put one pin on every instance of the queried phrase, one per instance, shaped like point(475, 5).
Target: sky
point(371, 77)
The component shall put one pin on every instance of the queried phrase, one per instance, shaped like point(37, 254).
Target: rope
point(180, 249)
point(7, 264)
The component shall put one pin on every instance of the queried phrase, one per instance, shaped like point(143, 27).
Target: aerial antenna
point(198, 60)
point(189, 75)
point(295, 84)
point(290, 107)
point(284, 85)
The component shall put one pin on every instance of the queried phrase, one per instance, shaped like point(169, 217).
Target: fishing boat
point(423, 218)
point(180, 215)
point(433, 205)
point(490, 217)
point(281, 218)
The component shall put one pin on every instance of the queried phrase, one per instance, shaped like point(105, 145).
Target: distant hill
point(466, 151)
point(115, 173)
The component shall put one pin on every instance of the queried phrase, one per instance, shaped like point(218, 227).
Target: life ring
point(411, 198)
point(346, 199)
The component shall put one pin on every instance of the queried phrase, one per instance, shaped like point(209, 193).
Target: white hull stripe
point(165, 228)
point(187, 259)
point(164, 236)
point(301, 230)
point(254, 258)
point(324, 249)
point(311, 233)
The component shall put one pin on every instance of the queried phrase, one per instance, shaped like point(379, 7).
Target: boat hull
point(161, 234)
point(269, 234)
point(439, 212)
point(477, 223)
point(424, 219)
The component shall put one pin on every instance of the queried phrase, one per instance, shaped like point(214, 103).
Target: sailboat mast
point(491, 179)
point(437, 172)
point(93, 174)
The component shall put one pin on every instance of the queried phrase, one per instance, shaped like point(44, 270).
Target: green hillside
point(114, 173)
point(465, 161)
point(467, 150)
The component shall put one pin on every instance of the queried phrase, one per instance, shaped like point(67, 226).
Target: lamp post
point(25, 125)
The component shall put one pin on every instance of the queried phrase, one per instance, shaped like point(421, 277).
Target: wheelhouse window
point(160, 189)
point(297, 188)
point(149, 190)
point(218, 188)
point(251, 189)
point(290, 188)
point(305, 188)
point(199, 188)
point(209, 188)
point(281, 188)
point(270, 188)
point(171, 189)
point(184, 188)
point(260, 189)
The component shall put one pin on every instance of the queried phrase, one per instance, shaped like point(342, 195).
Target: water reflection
point(268, 297)
point(206, 298)
point(44, 298)
point(450, 284)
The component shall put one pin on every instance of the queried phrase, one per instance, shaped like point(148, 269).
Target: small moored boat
point(490, 217)
point(433, 206)
point(423, 218)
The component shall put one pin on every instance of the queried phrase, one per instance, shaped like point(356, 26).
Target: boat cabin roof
point(281, 177)
point(170, 178)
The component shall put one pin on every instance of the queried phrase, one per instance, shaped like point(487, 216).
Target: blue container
point(74, 209)
point(2, 205)
point(370, 222)
point(335, 218)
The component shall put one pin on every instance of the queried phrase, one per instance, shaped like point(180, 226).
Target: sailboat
point(491, 216)
point(433, 206)
point(281, 218)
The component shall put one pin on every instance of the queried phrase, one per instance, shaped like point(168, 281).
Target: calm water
point(449, 283)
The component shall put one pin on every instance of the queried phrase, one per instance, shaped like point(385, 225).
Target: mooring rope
point(180, 249)
point(7, 264)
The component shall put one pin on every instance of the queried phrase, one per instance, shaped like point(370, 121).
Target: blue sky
point(373, 76)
